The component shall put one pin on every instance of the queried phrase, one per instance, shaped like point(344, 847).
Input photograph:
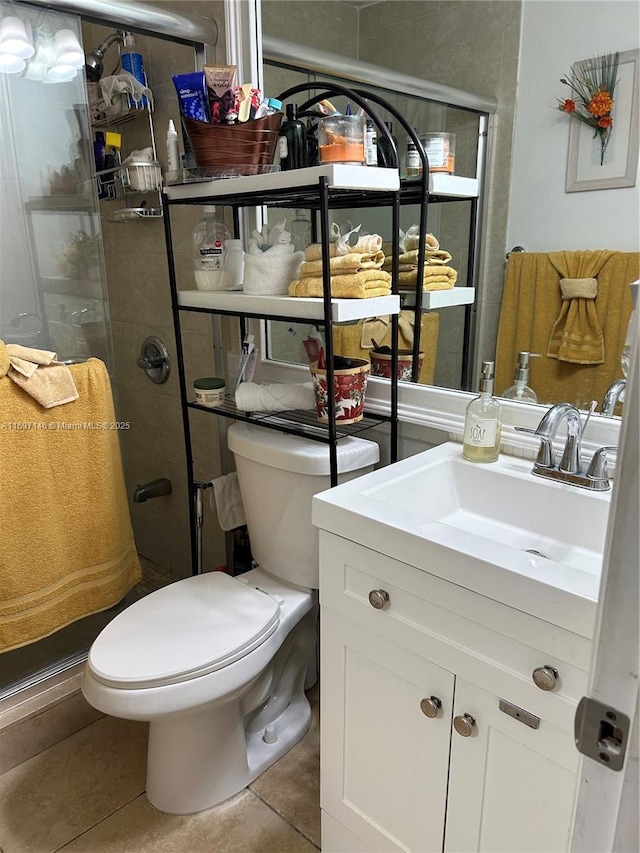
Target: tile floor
point(85, 794)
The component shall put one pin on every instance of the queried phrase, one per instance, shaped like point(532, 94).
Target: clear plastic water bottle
point(209, 255)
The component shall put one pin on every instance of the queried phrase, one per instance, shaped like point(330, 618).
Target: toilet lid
point(184, 630)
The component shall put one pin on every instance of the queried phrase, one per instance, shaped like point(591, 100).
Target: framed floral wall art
point(604, 119)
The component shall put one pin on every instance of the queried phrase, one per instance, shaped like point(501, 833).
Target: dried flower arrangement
point(592, 85)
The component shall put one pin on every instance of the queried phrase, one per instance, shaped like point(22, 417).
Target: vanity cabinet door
point(511, 787)
point(384, 740)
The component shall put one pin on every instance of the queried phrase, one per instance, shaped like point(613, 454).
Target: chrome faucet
point(615, 393)
point(569, 469)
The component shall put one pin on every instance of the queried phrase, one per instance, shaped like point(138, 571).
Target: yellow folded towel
point(531, 303)
point(410, 242)
point(576, 335)
point(361, 285)
point(369, 243)
point(38, 373)
point(67, 543)
point(438, 256)
point(433, 278)
point(351, 263)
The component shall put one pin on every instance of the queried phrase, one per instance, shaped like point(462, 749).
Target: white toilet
point(217, 664)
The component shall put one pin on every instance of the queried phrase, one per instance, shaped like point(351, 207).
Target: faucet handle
point(598, 469)
point(545, 454)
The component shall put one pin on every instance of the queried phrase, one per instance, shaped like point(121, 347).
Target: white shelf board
point(452, 185)
point(432, 299)
point(339, 176)
point(304, 308)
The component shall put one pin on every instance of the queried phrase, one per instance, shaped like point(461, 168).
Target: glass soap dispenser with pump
point(520, 390)
point(483, 421)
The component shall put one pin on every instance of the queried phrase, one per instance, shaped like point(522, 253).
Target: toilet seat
point(182, 631)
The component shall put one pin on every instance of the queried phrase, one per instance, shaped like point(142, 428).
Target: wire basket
point(141, 176)
point(249, 143)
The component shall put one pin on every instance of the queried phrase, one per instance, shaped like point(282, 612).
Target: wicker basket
point(250, 143)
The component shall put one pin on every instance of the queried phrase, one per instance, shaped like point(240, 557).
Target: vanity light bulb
point(10, 64)
point(14, 39)
point(60, 74)
point(68, 50)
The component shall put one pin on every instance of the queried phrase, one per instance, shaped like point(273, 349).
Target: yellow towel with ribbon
point(366, 244)
point(531, 304)
point(67, 547)
point(576, 335)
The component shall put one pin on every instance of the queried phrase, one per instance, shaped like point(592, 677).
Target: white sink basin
point(529, 542)
point(502, 504)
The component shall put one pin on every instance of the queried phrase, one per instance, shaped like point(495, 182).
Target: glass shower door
point(52, 278)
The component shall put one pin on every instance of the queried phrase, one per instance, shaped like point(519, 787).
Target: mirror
point(486, 35)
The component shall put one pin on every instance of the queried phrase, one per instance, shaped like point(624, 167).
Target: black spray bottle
point(293, 141)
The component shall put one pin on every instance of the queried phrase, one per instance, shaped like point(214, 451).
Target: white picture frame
point(620, 167)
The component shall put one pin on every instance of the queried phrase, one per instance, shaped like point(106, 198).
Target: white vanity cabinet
point(417, 754)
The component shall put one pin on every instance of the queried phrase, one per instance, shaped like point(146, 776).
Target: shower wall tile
point(138, 287)
point(318, 24)
point(127, 343)
point(156, 424)
point(157, 522)
point(140, 305)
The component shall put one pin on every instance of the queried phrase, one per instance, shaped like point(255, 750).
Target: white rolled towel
point(252, 397)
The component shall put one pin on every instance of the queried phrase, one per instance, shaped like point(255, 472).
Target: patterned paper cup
point(349, 388)
point(381, 364)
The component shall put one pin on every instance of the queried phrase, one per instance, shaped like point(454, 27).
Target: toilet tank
point(279, 474)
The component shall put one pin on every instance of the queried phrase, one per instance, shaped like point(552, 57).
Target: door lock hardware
point(601, 732)
point(519, 714)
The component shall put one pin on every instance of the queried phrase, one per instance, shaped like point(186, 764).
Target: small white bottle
point(234, 264)
point(520, 390)
point(483, 422)
point(173, 150)
point(209, 238)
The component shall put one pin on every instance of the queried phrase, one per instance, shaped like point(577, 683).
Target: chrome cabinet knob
point(430, 706)
point(378, 598)
point(545, 677)
point(464, 725)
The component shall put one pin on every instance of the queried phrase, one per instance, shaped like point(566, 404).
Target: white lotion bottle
point(173, 149)
point(483, 421)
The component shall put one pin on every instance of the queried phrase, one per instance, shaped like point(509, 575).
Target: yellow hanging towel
point(66, 543)
point(576, 335)
point(531, 304)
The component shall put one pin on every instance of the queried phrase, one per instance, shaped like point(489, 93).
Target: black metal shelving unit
point(317, 193)
point(318, 189)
